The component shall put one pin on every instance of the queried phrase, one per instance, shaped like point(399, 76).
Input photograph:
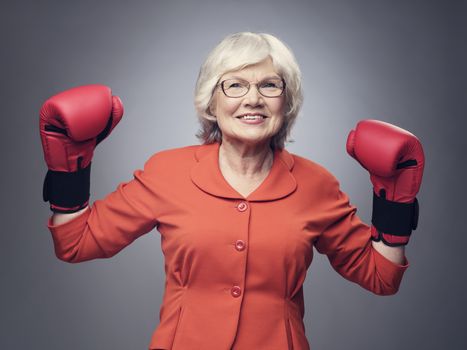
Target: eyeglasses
point(272, 87)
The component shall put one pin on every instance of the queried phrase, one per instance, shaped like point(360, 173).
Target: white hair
point(235, 52)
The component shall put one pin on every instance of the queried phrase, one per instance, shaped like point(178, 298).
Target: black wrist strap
point(394, 218)
point(67, 190)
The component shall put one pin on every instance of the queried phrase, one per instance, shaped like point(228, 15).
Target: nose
point(253, 97)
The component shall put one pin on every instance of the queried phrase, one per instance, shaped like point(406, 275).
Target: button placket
point(236, 291)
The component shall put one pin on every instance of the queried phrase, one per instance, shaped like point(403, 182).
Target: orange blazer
point(234, 266)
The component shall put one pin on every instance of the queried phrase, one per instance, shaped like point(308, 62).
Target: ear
point(210, 117)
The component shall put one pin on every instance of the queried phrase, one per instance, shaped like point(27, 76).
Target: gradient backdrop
point(399, 61)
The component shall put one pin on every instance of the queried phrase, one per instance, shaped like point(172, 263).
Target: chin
point(254, 140)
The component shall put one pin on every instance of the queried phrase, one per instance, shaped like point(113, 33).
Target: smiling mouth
point(252, 117)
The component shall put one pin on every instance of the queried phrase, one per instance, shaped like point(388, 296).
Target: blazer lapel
point(207, 175)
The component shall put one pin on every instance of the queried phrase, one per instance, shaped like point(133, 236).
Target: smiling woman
point(238, 214)
point(234, 57)
point(250, 108)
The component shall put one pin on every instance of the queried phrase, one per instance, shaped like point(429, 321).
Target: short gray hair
point(237, 51)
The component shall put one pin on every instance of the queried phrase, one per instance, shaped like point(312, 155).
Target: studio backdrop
point(398, 61)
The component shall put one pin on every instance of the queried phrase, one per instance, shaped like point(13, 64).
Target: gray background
point(399, 61)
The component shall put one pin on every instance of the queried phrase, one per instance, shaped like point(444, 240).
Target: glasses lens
point(271, 87)
point(235, 87)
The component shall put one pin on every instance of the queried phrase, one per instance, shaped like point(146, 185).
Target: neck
point(248, 160)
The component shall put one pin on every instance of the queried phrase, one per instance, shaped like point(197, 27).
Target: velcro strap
point(67, 189)
point(394, 218)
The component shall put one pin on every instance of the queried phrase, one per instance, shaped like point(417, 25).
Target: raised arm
point(72, 124)
point(374, 256)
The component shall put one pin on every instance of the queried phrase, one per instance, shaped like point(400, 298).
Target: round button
point(236, 291)
point(242, 206)
point(239, 245)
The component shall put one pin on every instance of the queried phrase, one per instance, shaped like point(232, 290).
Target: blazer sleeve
point(113, 222)
point(346, 241)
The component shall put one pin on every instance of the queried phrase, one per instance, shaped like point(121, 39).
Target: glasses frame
point(221, 84)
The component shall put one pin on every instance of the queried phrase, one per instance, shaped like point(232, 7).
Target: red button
point(242, 206)
point(239, 245)
point(236, 291)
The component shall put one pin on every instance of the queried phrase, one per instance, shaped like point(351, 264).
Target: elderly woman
point(238, 214)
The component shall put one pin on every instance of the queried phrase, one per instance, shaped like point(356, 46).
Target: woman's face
point(228, 110)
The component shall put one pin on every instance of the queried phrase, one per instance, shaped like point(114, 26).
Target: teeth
point(252, 117)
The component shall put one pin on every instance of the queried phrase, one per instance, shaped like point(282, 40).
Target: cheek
point(228, 106)
point(278, 107)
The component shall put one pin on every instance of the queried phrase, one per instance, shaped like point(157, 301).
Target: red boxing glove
point(395, 160)
point(72, 123)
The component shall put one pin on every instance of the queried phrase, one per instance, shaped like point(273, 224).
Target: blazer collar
point(207, 175)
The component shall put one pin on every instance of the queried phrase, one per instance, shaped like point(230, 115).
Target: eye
point(272, 84)
point(269, 84)
point(234, 84)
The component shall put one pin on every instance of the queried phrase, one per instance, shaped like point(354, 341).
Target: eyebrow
point(266, 77)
